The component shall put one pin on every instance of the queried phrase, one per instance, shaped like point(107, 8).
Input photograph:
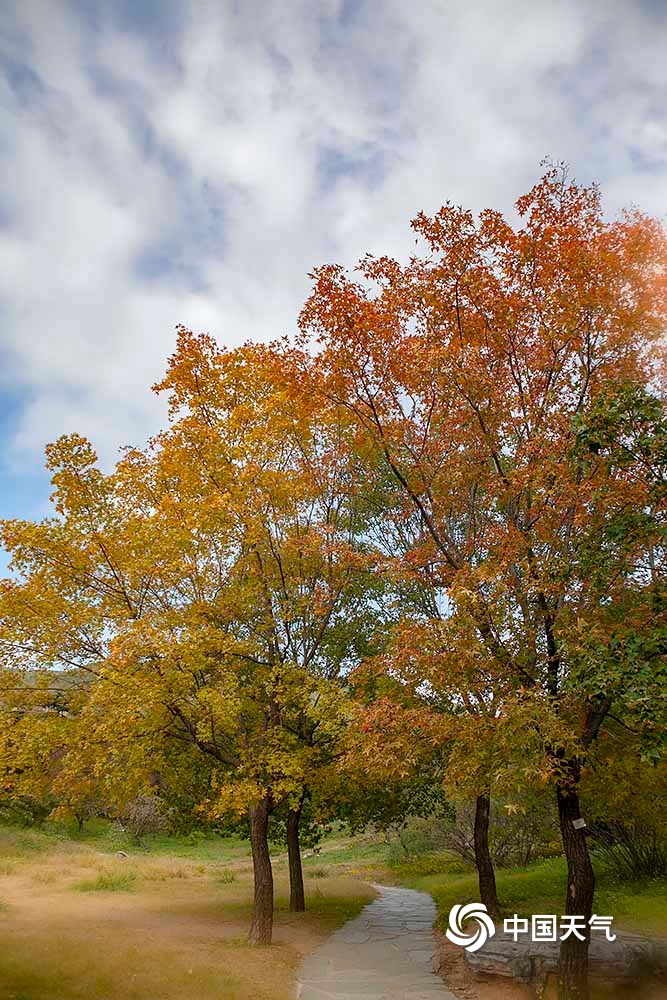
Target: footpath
point(386, 953)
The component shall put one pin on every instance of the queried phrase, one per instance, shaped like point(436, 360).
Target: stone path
point(386, 953)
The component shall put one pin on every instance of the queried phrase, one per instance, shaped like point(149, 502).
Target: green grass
point(226, 876)
point(208, 848)
point(327, 906)
point(638, 907)
point(108, 882)
point(102, 835)
point(18, 843)
point(359, 852)
point(433, 863)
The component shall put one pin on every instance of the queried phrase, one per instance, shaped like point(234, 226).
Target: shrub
point(633, 850)
point(25, 810)
point(143, 816)
point(194, 838)
point(514, 840)
point(115, 836)
point(436, 863)
point(418, 837)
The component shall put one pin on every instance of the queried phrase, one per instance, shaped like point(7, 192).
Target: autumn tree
point(213, 586)
point(465, 372)
point(447, 702)
point(303, 532)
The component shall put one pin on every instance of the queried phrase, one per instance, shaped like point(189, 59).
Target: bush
point(514, 840)
point(25, 810)
point(436, 863)
point(115, 836)
point(194, 838)
point(146, 815)
point(418, 837)
point(633, 850)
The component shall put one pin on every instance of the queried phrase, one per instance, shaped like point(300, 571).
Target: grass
point(92, 971)
point(637, 907)
point(360, 852)
point(17, 844)
point(108, 881)
point(226, 876)
point(80, 923)
point(104, 836)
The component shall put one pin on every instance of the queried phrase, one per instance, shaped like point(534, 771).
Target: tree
point(35, 726)
point(627, 795)
point(297, 824)
point(212, 586)
point(464, 373)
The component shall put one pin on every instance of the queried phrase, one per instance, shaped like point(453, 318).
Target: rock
point(660, 956)
point(504, 957)
point(625, 960)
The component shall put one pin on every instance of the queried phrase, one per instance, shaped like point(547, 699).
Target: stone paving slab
point(386, 953)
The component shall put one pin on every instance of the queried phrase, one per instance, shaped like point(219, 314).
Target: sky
point(166, 162)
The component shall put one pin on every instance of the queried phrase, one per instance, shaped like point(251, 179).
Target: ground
point(78, 922)
point(636, 907)
point(466, 986)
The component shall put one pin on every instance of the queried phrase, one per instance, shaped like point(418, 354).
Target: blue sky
point(167, 162)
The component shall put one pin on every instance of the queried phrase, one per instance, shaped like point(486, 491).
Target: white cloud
point(196, 176)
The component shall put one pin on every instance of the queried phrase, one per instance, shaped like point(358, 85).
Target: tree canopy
point(422, 542)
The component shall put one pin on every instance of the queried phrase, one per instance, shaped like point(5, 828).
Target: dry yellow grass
point(171, 930)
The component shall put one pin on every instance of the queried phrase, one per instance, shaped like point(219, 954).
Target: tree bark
point(297, 898)
point(483, 859)
point(261, 926)
point(573, 959)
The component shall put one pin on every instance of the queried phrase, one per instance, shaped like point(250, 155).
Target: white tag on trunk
point(579, 824)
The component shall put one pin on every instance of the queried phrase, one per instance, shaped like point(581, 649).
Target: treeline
point(419, 546)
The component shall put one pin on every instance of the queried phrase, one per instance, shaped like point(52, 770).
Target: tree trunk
point(297, 898)
point(573, 959)
point(262, 915)
point(483, 860)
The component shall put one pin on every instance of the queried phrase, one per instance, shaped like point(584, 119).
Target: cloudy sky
point(167, 162)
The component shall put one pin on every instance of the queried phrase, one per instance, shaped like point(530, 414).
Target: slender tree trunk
point(483, 859)
point(297, 898)
point(573, 960)
point(262, 915)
